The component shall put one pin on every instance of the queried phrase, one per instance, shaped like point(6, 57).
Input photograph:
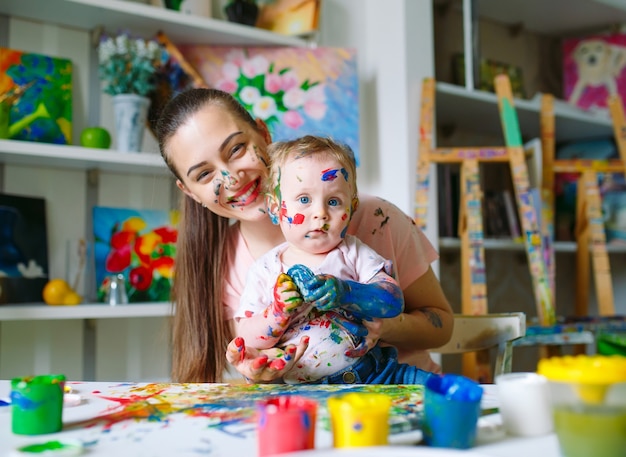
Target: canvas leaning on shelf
point(289, 17)
point(23, 249)
point(594, 67)
point(140, 244)
point(43, 111)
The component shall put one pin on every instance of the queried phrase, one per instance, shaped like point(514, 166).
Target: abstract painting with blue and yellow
point(43, 109)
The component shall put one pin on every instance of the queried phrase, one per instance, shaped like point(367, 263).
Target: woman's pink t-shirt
point(377, 223)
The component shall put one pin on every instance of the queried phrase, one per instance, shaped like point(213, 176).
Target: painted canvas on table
point(139, 244)
point(296, 91)
point(594, 68)
point(23, 249)
point(39, 89)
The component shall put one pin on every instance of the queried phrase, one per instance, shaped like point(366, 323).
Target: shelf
point(480, 114)
point(144, 20)
point(62, 156)
point(555, 17)
point(492, 244)
point(40, 311)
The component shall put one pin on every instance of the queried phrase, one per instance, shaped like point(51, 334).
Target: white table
point(139, 419)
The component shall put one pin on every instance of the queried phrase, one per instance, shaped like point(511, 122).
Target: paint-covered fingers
point(274, 362)
point(363, 347)
point(238, 355)
point(374, 328)
point(287, 297)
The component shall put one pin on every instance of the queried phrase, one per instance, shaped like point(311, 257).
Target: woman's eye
point(304, 200)
point(333, 202)
point(204, 175)
point(237, 150)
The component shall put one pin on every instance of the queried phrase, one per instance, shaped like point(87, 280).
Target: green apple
point(95, 137)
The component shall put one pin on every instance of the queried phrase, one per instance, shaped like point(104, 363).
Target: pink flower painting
point(295, 91)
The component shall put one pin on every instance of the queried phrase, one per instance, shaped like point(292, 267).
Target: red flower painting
point(139, 244)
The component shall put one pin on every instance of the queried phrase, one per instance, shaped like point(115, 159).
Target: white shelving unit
point(477, 111)
point(37, 311)
point(76, 157)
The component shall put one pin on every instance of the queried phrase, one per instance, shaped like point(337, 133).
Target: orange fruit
point(72, 298)
point(55, 290)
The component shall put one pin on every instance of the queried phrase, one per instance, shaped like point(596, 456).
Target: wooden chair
point(483, 332)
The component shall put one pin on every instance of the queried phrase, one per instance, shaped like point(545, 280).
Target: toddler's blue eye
point(333, 202)
point(304, 200)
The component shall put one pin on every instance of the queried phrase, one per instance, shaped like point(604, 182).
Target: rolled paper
point(37, 404)
point(359, 419)
point(286, 423)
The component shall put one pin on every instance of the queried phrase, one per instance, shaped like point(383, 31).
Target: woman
point(217, 152)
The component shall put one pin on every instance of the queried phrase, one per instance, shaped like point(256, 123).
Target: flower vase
point(131, 113)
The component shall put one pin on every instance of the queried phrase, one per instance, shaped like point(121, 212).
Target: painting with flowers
point(296, 91)
point(139, 244)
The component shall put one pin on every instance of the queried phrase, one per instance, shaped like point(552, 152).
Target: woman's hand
point(264, 365)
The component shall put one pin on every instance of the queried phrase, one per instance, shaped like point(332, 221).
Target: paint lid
point(53, 448)
point(584, 369)
point(592, 374)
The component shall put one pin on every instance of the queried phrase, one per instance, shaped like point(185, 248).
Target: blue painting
point(295, 91)
point(139, 244)
point(23, 249)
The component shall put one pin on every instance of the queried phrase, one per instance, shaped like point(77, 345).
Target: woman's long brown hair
point(200, 333)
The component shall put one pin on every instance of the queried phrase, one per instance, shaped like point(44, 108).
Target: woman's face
point(222, 163)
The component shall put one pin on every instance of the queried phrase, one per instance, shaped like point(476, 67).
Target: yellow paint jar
point(589, 403)
point(359, 419)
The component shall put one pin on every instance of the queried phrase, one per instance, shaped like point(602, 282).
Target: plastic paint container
point(359, 419)
point(451, 411)
point(286, 423)
point(589, 404)
point(37, 404)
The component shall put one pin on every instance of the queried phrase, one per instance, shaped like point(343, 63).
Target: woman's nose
point(230, 178)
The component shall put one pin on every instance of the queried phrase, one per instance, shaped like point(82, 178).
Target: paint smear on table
point(225, 405)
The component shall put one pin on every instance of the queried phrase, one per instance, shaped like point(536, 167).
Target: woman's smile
point(248, 194)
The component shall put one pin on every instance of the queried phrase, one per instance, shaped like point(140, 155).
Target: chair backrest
point(474, 333)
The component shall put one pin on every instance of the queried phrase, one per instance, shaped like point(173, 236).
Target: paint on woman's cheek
point(229, 178)
point(216, 190)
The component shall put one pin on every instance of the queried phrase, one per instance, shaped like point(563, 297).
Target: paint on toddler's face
point(316, 204)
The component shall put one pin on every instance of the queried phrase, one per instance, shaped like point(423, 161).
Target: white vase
point(131, 113)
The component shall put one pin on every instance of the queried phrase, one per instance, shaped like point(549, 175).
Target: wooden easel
point(590, 230)
point(473, 284)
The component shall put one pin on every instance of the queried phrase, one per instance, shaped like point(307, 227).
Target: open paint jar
point(37, 404)
point(589, 404)
point(359, 419)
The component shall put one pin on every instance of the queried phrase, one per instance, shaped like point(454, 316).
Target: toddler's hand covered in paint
point(264, 365)
point(381, 297)
point(287, 297)
point(325, 291)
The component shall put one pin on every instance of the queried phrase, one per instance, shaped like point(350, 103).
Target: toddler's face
point(315, 200)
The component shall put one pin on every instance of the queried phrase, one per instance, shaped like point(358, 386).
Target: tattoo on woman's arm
point(433, 318)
